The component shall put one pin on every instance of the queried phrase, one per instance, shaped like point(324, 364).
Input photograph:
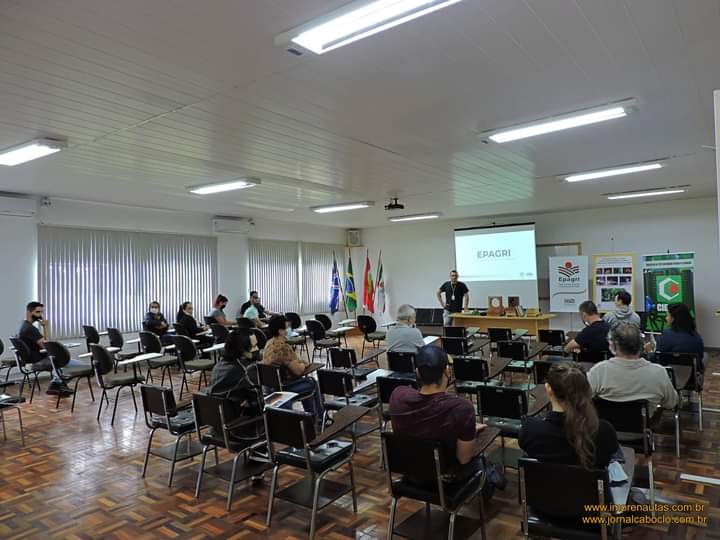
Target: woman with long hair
point(682, 336)
point(571, 433)
point(185, 318)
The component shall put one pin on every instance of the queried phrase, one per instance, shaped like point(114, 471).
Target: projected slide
point(494, 261)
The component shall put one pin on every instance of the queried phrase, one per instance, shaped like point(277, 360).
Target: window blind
point(316, 268)
point(108, 278)
point(274, 273)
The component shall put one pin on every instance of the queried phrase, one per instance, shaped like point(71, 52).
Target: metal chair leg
point(132, 393)
point(147, 452)
point(313, 515)
point(677, 433)
point(200, 473)
point(104, 395)
point(231, 487)
point(32, 388)
point(72, 406)
point(172, 463)
point(482, 515)
point(22, 384)
point(700, 412)
point(352, 486)
point(117, 397)
point(391, 523)
point(451, 526)
point(651, 481)
point(92, 394)
point(22, 430)
point(271, 496)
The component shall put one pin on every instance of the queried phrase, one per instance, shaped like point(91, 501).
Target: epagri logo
point(494, 254)
point(568, 273)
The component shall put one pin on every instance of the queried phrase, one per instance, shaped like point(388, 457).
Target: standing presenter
point(457, 297)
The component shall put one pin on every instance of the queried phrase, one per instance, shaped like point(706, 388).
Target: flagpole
point(342, 288)
point(377, 269)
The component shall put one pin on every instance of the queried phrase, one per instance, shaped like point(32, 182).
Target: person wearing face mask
point(594, 336)
point(156, 323)
point(185, 317)
point(35, 341)
point(217, 312)
point(404, 337)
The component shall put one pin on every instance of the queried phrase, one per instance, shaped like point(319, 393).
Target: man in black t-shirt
point(263, 314)
point(594, 337)
point(457, 297)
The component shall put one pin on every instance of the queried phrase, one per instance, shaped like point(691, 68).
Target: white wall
point(417, 257)
point(18, 246)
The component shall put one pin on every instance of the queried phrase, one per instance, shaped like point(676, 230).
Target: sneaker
point(59, 389)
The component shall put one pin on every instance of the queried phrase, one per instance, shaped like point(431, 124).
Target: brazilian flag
point(350, 293)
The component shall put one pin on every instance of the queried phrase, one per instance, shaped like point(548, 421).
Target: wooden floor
point(78, 479)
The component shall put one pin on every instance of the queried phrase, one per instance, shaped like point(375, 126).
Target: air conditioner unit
point(353, 238)
point(17, 206)
point(232, 225)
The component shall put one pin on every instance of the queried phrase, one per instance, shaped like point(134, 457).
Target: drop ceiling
point(153, 97)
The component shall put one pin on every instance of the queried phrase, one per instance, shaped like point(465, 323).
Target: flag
point(369, 291)
point(334, 288)
point(350, 294)
point(380, 288)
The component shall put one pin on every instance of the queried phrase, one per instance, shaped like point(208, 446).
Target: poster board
point(568, 283)
point(543, 254)
point(611, 273)
point(668, 279)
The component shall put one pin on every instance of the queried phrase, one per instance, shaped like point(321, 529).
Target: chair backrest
point(244, 322)
point(115, 337)
point(315, 329)
point(367, 324)
point(185, 349)
point(561, 491)
point(261, 338)
point(58, 352)
point(324, 320)
point(269, 376)
point(91, 335)
point(157, 400)
point(342, 358)
point(2, 347)
point(454, 332)
point(211, 412)
point(554, 338)
point(502, 402)
point(220, 332)
point(455, 345)
point(625, 416)
point(516, 350)
point(288, 427)
point(334, 383)
point(293, 320)
point(181, 329)
point(403, 362)
point(102, 361)
point(470, 369)
point(682, 359)
point(592, 357)
point(499, 334)
point(22, 352)
point(387, 385)
point(209, 320)
point(150, 343)
point(422, 460)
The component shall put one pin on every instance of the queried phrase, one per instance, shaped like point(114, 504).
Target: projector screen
point(498, 261)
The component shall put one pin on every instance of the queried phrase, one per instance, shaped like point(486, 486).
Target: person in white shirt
point(404, 337)
point(628, 377)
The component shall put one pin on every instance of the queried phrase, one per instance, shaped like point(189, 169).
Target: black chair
point(401, 362)
point(8, 402)
point(423, 465)
point(107, 379)
point(385, 387)
point(499, 334)
point(695, 382)
point(347, 359)
point(517, 351)
point(59, 358)
point(209, 320)
point(238, 436)
point(555, 498)
point(299, 340)
point(631, 422)
point(272, 379)
point(181, 330)
point(339, 386)
point(592, 357)
point(295, 323)
point(220, 332)
point(554, 338)
point(469, 373)
point(150, 343)
point(190, 362)
point(455, 346)
point(327, 324)
point(319, 456)
point(504, 408)
point(6, 363)
point(92, 337)
point(320, 341)
point(28, 368)
point(117, 342)
point(455, 332)
point(371, 335)
point(244, 322)
point(161, 412)
point(261, 338)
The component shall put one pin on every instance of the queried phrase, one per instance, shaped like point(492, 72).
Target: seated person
point(594, 336)
point(263, 313)
point(253, 315)
point(432, 413)
point(185, 317)
point(622, 312)
point(682, 336)
point(217, 312)
point(404, 337)
point(571, 433)
point(278, 353)
point(35, 341)
point(156, 323)
point(628, 377)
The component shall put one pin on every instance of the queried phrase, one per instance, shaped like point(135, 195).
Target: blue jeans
point(72, 363)
point(305, 385)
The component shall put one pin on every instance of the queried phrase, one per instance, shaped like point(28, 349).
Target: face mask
point(37, 317)
point(155, 310)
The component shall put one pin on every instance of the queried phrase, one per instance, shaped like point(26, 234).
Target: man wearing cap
point(432, 413)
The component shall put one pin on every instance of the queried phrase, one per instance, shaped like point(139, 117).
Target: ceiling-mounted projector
point(394, 205)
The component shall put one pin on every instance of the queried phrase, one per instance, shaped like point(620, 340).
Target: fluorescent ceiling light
point(637, 194)
point(266, 207)
point(29, 151)
point(415, 217)
point(209, 189)
point(341, 207)
point(565, 121)
point(358, 20)
point(605, 173)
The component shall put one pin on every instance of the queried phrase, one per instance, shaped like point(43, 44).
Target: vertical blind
point(293, 276)
point(108, 278)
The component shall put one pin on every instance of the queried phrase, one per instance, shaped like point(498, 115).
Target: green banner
point(668, 279)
